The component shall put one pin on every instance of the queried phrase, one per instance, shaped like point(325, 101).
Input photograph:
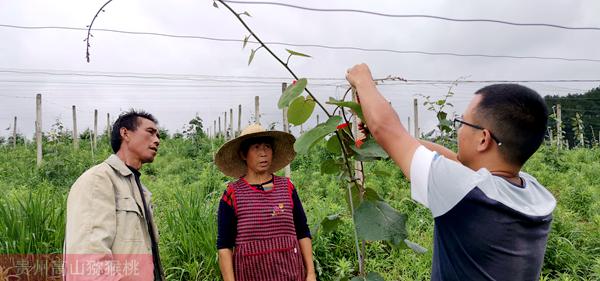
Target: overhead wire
point(331, 47)
point(495, 21)
point(260, 79)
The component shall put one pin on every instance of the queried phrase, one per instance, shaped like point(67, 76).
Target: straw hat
point(228, 159)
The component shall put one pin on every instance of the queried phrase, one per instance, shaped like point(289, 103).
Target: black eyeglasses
point(457, 122)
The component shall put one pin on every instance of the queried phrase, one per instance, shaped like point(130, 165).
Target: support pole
point(220, 131)
point(231, 132)
point(75, 134)
point(416, 112)
point(38, 127)
point(558, 127)
point(256, 110)
point(286, 128)
point(15, 133)
point(108, 128)
point(239, 130)
point(95, 139)
point(358, 170)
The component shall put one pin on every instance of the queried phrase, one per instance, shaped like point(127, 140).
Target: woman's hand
point(311, 276)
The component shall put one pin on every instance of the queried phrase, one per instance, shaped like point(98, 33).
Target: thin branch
point(346, 93)
point(273, 54)
point(344, 151)
point(347, 122)
point(89, 33)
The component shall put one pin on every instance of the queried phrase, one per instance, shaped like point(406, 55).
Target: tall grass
point(32, 222)
point(187, 187)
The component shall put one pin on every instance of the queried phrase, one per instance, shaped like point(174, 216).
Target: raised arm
point(382, 120)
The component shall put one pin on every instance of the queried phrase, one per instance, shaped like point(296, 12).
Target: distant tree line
point(580, 115)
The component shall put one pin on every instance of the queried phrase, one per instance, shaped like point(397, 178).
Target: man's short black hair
point(246, 144)
point(517, 116)
point(130, 121)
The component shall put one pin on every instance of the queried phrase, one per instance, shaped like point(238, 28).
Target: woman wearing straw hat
point(262, 229)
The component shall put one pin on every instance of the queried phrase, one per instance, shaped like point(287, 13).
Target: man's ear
point(485, 141)
point(124, 133)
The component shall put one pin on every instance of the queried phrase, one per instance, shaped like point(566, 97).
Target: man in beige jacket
point(110, 233)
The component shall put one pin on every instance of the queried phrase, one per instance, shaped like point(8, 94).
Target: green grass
point(186, 188)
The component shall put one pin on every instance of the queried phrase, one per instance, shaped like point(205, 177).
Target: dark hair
point(130, 121)
point(517, 116)
point(247, 143)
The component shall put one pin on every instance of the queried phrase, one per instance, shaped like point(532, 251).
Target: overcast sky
point(175, 78)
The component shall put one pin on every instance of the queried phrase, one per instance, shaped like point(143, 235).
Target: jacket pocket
point(129, 221)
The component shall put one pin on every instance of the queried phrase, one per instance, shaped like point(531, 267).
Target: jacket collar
point(116, 163)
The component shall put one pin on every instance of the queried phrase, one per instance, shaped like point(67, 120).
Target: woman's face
point(259, 156)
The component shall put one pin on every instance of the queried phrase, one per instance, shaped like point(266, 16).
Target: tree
point(586, 105)
point(194, 129)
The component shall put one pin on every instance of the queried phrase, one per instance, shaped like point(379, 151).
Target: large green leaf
point(333, 145)
point(300, 110)
point(294, 53)
point(371, 195)
point(291, 92)
point(309, 138)
point(370, 149)
point(355, 196)
point(372, 276)
point(330, 223)
point(349, 104)
point(415, 247)
point(381, 173)
point(376, 220)
point(330, 166)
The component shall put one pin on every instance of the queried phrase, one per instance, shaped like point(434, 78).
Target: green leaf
point(349, 104)
point(330, 223)
point(372, 276)
point(291, 92)
point(294, 53)
point(355, 196)
point(251, 56)
point(371, 195)
point(361, 158)
point(300, 110)
point(440, 102)
point(311, 137)
point(376, 220)
point(370, 149)
point(245, 41)
point(333, 145)
point(415, 247)
point(381, 173)
point(442, 115)
point(330, 166)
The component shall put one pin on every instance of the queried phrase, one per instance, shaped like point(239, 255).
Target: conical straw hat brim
point(229, 161)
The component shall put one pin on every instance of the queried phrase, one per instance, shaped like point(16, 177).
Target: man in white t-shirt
point(491, 220)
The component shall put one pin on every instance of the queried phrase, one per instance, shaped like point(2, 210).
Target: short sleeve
point(440, 183)
point(419, 174)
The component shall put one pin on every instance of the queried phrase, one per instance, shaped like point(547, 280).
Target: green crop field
point(187, 187)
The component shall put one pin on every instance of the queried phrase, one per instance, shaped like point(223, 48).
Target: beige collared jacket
point(106, 225)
